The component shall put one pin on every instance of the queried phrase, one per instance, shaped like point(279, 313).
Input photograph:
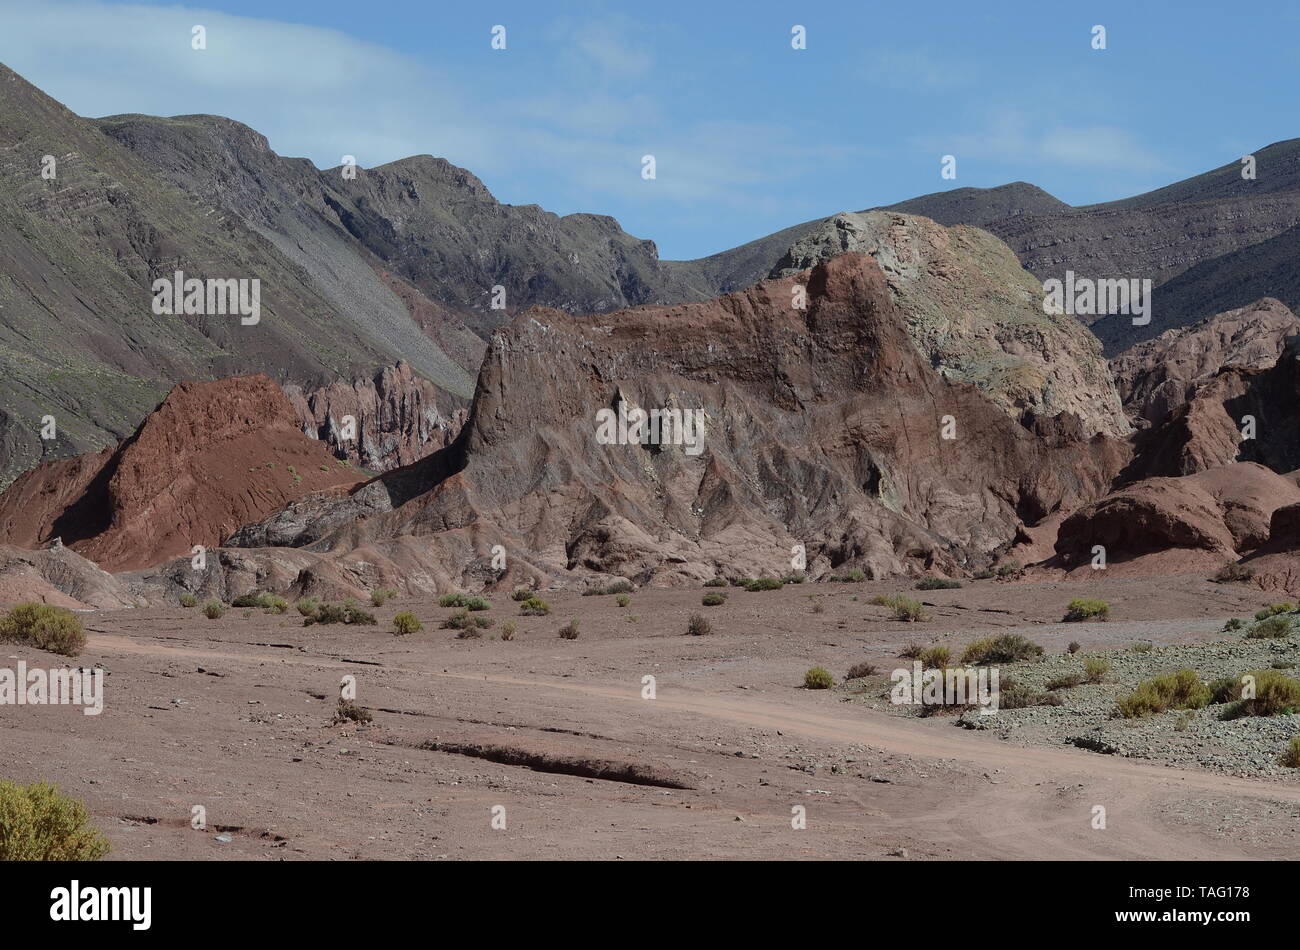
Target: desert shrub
point(853, 575)
point(1290, 758)
point(1225, 689)
point(1142, 646)
point(327, 613)
point(461, 620)
point(1074, 647)
point(817, 606)
point(308, 605)
point(477, 603)
point(1015, 695)
point(740, 581)
point(618, 587)
point(1065, 681)
point(1233, 574)
point(348, 711)
point(764, 583)
point(937, 583)
point(249, 600)
point(935, 658)
point(713, 600)
point(45, 627)
point(622, 600)
point(859, 670)
point(912, 651)
point(1095, 669)
point(1269, 628)
point(406, 622)
point(188, 600)
point(570, 630)
point(1276, 694)
point(1083, 608)
point(1282, 665)
point(534, 607)
point(1233, 623)
point(380, 597)
point(452, 600)
point(508, 630)
point(818, 678)
point(354, 614)
point(1008, 569)
point(276, 604)
point(469, 633)
point(520, 594)
point(697, 626)
point(1181, 689)
point(908, 610)
point(214, 609)
point(1004, 648)
point(37, 823)
point(1272, 610)
point(716, 582)
point(792, 579)
point(881, 600)
point(984, 575)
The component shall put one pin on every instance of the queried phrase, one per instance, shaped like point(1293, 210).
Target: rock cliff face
point(396, 417)
point(976, 315)
point(1157, 377)
point(211, 457)
point(822, 427)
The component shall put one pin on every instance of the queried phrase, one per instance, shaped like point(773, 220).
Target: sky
point(749, 134)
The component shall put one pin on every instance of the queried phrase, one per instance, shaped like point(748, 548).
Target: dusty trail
point(1019, 802)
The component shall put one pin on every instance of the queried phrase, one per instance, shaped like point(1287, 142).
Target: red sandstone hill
point(823, 426)
point(212, 456)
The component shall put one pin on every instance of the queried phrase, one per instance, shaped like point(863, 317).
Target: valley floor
point(234, 715)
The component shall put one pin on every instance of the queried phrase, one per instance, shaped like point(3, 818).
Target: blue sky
point(749, 135)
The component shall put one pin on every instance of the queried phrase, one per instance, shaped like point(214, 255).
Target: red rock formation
point(399, 417)
point(1167, 524)
point(211, 457)
point(822, 426)
point(1157, 376)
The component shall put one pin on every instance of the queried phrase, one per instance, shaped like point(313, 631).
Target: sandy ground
point(234, 715)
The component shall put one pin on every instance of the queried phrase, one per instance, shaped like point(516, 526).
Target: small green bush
point(37, 823)
point(214, 610)
point(520, 594)
point(908, 610)
point(792, 579)
point(477, 603)
point(984, 575)
point(1142, 646)
point(354, 614)
point(1004, 648)
point(570, 630)
point(406, 622)
point(713, 600)
point(1181, 689)
point(853, 575)
point(508, 630)
point(535, 607)
point(1270, 628)
point(935, 658)
point(327, 613)
point(1008, 569)
point(308, 605)
point(937, 583)
point(912, 651)
point(1095, 669)
point(348, 711)
point(380, 597)
point(622, 600)
point(452, 600)
point(1065, 681)
point(188, 600)
point(818, 678)
point(1276, 694)
point(697, 626)
point(1074, 647)
point(1291, 757)
point(1083, 608)
point(716, 582)
point(764, 583)
point(45, 627)
point(276, 604)
point(1233, 623)
point(1272, 610)
point(461, 620)
point(740, 581)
